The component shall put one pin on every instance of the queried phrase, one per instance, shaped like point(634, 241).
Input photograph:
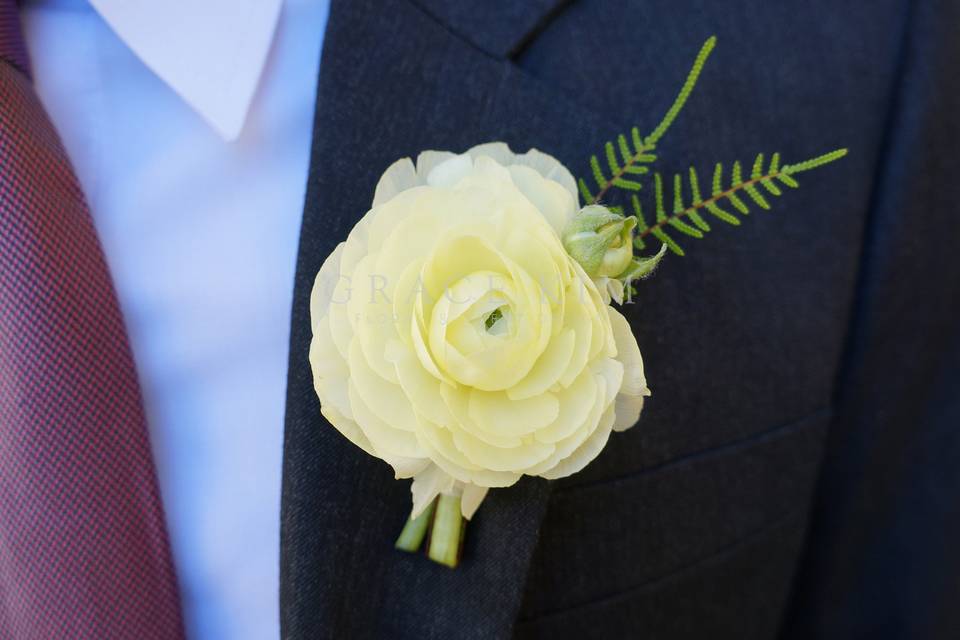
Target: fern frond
point(658, 196)
point(695, 194)
point(717, 178)
point(787, 180)
point(625, 151)
point(641, 223)
point(751, 188)
point(659, 234)
point(598, 173)
point(685, 91)
point(585, 191)
point(612, 160)
point(635, 152)
point(767, 176)
point(629, 185)
point(813, 163)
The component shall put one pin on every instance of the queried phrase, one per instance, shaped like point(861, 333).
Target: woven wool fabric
point(83, 547)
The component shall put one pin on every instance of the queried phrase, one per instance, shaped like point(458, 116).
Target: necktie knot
point(13, 49)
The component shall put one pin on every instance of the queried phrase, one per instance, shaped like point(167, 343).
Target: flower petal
point(422, 389)
point(427, 485)
point(385, 438)
point(499, 151)
point(628, 353)
point(494, 412)
point(628, 410)
point(549, 367)
point(451, 171)
point(405, 467)
point(586, 452)
point(550, 168)
point(428, 160)
point(576, 403)
point(471, 499)
point(515, 459)
point(325, 360)
point(398, 177)
point(612, 372)
point(457, 400)
point(550, 198)
point(441, 449)
point(348, 428)
point(566, 447)
point(576, 316)
point(385, 399)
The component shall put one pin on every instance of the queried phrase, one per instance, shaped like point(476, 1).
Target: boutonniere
point(464, 331)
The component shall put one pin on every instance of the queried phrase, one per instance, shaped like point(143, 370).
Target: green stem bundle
point(444, 524)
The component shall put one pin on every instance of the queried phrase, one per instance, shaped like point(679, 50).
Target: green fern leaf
point(788, 180)
point(717, 178)
point(584, 190)
point(634, 159)
point(720, 214)
point(686, 218)
point(658, 194)
point(738, 203)
point(660, 235)
point(755, 195)
point(770, 186)
point(695, 187)
point(677, 194)
point(612, 159)
point(679, 207)
point(757, 171)
point(633, 155)
point(598, 173)
point(629, 185)
point(813, 163)
point(736, 178)
point(698, 220)
point(642, 226)
point(683, 227)
point(624, 149)
point(685, 91)
point(637, 140)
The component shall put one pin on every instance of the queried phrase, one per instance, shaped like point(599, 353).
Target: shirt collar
point(210, 52)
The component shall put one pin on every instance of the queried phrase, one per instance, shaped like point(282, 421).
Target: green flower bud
point(600, 240)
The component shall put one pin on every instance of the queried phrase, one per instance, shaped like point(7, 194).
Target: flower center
point(497, 323)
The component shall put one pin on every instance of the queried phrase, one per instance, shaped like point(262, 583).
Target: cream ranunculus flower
point(455, 338)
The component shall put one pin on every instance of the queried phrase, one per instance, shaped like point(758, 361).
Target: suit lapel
point(394, 80)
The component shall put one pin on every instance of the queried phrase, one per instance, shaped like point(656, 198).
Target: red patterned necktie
point(83, 545)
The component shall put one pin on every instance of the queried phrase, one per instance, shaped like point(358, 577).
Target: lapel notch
point(500, 28)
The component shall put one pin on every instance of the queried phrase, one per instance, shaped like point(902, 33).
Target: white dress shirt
point(197, 200)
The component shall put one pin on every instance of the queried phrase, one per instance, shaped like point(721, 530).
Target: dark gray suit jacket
point(797, 472)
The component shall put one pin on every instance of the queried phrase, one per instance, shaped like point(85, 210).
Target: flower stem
point(415, 530)
point(447, 528)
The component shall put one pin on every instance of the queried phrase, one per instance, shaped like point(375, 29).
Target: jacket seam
point(715, 555)
point(778, 431)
